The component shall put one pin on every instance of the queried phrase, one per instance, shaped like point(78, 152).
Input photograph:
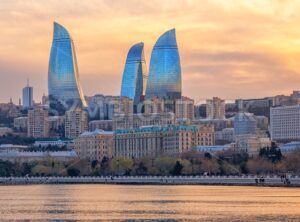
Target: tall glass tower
point(165, 71)
point(63, 77)
point(134, 75)
point(27, 96)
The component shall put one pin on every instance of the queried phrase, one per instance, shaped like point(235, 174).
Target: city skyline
point(251, 48)
point(174, 110)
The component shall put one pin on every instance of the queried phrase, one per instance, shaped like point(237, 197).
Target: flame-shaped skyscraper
point(63, 77)
point(134, 75)
point(165, 70)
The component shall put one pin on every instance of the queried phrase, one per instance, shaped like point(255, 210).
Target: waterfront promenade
point(159, 180)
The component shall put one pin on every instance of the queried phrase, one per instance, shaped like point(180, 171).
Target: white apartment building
point(285, 123)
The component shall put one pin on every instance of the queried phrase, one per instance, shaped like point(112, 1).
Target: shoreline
point(267, 181)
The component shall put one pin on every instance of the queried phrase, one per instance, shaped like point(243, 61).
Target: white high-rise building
point(285, 123)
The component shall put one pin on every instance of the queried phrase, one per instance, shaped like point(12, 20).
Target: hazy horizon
point(228, 49)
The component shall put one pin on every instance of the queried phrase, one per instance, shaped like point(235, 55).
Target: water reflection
point(149, 203)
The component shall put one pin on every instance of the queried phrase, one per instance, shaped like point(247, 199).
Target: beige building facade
point(215, 108)
point(153, 141)
point(76, 122)
point(184, 108)
point(37, 123)
point(95, 145)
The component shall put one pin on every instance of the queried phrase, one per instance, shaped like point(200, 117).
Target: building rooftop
point(290, 146)
point(157, 129)
point(71, 153)
point(214, 148)
point(96, 132)
point(11, 146)
point(21, 117)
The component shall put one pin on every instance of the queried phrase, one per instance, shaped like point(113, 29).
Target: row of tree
point(230, 162)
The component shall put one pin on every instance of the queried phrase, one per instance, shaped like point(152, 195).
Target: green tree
point(292, 162)
point(141, 169)
point(121, 165)
point(273, 154)
point(177, 169)
point(259, 166)
point(210, 166)
point(7, 169)
point(104, 166)
point(164, 165)
point(188, 167)
point(73, 172)
point(94, 164)
point(208, 156)
point(26, 169)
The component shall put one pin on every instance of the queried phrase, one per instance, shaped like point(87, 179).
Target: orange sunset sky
point(231, 49)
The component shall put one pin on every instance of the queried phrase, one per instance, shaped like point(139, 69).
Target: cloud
point(228, 48)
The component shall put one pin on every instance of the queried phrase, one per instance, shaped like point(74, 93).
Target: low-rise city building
point(20, 123)
point(219, 124)
point(244, 123)
point(153, 141)
point(251, 143)
point(11, 110)
point(224, 136)
point(59, 143)
point(289, 147)
point(106, 125)
point(262, 122)
point(212, 149)
point(26, 157)
point(5, 131)
point(95, 145)
point(12, 147)
point(141, 119)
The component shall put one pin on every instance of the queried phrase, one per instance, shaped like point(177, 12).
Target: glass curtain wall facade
point(63, 77)
point(135, 73)
point(164, 79)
